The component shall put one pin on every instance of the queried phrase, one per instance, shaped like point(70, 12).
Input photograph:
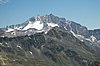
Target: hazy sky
point(85, 12)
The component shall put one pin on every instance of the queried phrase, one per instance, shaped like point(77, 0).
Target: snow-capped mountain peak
point(46, 22)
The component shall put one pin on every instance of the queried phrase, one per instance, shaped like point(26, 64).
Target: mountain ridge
point(47, 21)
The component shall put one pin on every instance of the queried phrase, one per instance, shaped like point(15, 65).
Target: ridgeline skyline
point(84, 12)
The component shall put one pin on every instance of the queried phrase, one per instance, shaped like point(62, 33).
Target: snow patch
point(80, 36)
point(52, 24)
point(88, 39)
point(73, 33)
point(18, 28)
point(30, 52)
point(29, 25)
point(47, 29)
point(0, 43)
point(3, 36)
point(18, 46)
point(6, 43)
point(29, 37)
point(9, 30)
point(82, 40)
point(13, 33)
point(93, 38)
point(85, 61)
point(65, 27)
point(37, 25)
point(98, 41)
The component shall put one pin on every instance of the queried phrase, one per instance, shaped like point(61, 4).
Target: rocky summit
point(49, 41)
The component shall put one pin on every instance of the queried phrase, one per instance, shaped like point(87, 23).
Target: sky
point(84, 12)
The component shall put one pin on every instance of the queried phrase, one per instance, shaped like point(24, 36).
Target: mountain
point(56, 48)
point(44, 23)
point(49, 40)
point(38, 24)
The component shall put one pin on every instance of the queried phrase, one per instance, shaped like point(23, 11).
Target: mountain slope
point(56, 48)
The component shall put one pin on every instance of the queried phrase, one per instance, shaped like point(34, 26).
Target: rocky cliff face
point(56, 48)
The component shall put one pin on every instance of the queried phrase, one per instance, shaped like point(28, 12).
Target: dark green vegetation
point(56, 48)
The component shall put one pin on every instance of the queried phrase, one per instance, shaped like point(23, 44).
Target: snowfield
point(37, 25)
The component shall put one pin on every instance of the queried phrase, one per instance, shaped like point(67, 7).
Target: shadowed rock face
point(56, 48)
